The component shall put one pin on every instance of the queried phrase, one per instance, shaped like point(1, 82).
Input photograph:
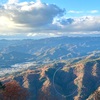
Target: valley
point(61, 68)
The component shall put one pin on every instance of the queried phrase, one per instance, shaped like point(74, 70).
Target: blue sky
point(49, 18)
point(73, 4)
point(76, 4)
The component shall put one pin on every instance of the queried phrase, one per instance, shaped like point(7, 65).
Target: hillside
point(72, 80)
point(61, 68)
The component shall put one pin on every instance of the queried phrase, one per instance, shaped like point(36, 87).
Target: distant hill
point(45, 50)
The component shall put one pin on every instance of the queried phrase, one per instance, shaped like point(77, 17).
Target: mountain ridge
point(50, 49)
point(74, 81)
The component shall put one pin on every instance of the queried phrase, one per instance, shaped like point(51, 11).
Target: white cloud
point(74, 11)
point(12, 1)
point(34, 19)
point(26, 17)
point(32, 34)
point(80, 24)
point(94, 11)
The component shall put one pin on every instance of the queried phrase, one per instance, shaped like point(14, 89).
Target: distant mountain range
point(45, 50)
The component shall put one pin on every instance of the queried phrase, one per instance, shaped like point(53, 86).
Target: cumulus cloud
point(22, 17)
point(82, 24)
point(41, 19)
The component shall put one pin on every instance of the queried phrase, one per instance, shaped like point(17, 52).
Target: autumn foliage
point(13, 91)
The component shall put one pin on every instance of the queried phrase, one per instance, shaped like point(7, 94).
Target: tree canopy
point(13, 91)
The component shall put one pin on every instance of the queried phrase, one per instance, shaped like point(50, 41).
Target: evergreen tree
point(2, 86)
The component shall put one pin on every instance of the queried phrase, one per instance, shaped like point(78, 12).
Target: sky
point(48, 18)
